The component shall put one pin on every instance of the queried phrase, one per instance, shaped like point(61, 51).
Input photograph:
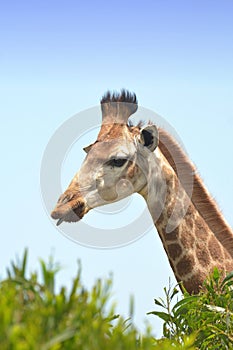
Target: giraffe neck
point(192, 248)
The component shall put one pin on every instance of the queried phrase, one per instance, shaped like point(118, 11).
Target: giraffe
point(126, 159)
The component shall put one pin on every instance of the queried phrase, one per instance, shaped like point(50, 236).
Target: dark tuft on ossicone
point(117, 107)
point(123, 96)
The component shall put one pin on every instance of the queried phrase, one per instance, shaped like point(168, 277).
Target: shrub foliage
point(208, 315)
point(33, 315)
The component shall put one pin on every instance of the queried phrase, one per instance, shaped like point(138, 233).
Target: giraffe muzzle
point(70, 207)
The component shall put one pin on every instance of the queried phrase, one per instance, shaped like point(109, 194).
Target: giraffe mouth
point(70, 208)
point(70, 215)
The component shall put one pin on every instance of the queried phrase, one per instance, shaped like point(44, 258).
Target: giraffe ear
point(88, 148)
point(149, 137)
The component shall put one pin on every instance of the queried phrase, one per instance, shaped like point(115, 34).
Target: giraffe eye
point(117, 162)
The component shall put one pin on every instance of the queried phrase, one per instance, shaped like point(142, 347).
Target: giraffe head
point(116, 164)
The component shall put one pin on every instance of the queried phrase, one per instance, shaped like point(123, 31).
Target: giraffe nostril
point(65, 197)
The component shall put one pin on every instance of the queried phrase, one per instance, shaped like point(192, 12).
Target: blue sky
point(58, 58)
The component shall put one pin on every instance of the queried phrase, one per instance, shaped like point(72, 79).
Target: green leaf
point(162, 315)
point(175, 291)
point(157, 302)
point(185, 301)
point(227, 278)
point(24, 263)
point(216, 274)
point(58, 339)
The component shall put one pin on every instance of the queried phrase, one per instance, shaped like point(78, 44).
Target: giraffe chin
point(70, 217)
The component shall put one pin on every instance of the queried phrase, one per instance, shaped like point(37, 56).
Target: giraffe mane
point(201, 199)
point(139, 125)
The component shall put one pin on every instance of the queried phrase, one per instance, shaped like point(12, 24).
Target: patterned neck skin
point(192, 248)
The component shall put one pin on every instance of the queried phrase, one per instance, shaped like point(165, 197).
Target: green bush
point(208, 315)
point(34, 316)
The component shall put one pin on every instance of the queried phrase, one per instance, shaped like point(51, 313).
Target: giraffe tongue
point(59, 221)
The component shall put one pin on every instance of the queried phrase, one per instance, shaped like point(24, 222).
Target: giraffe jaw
point(70, 216)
